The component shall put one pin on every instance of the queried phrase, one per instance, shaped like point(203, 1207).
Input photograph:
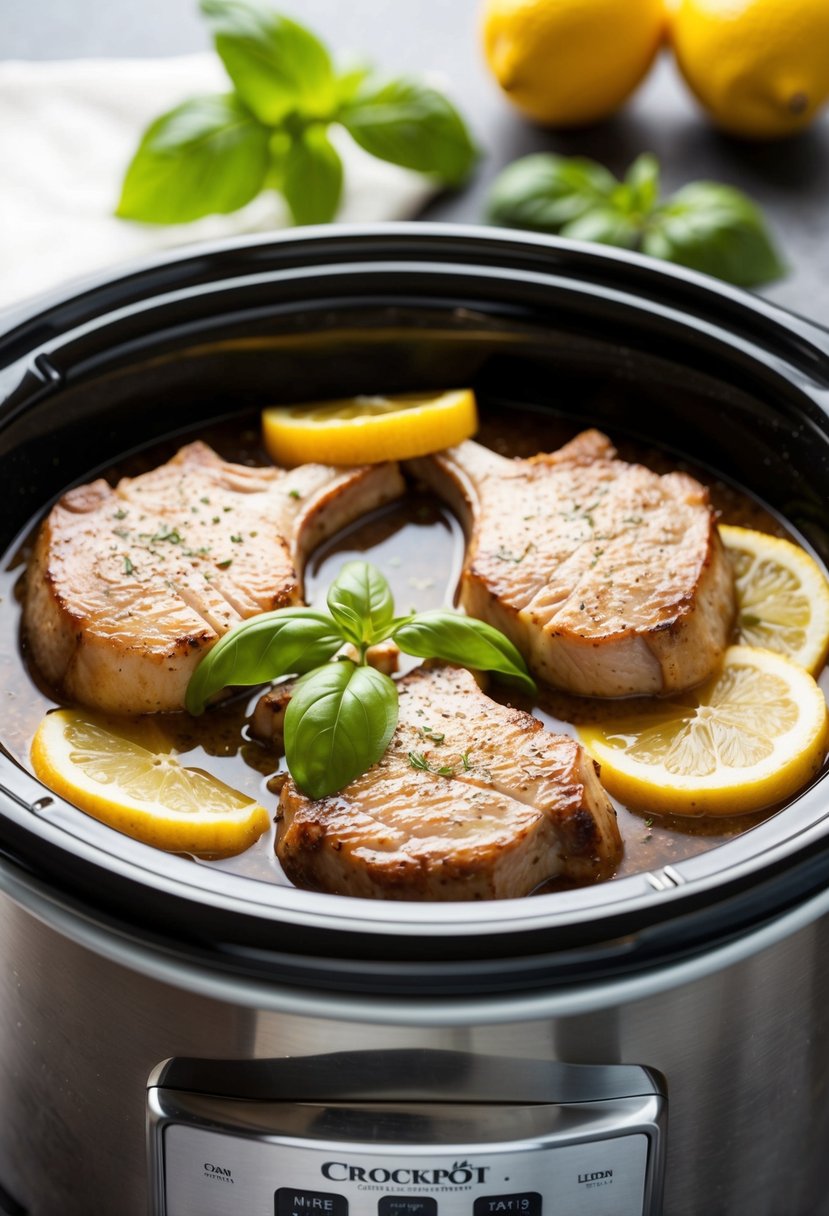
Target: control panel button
point(292, 1202)
point(407, 1205)
point(528, 1203)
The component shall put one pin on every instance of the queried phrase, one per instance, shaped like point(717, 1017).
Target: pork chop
point(127, 588)
point(472, 800)
point(610, 579)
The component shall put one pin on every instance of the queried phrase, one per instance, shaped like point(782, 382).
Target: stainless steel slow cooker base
point(82, 1035)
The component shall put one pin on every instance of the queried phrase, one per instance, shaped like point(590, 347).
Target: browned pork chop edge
point(521, 805)
point(612, 580)
point(128, 587)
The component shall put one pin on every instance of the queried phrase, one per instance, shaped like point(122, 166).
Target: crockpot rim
point(498, 917)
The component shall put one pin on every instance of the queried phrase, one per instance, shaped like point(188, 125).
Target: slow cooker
point(192, 1042)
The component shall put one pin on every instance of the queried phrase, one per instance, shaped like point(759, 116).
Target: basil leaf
point(543, 192)
point(463, 640)
point(338, 723)
point(208, 155)
point(412, 125)
point(350, 81)
point(276, 65)
point(716, 229)
point(605, 225)
point(640, 190)
point(311, 177)
point(288, 641)
point(360, 601)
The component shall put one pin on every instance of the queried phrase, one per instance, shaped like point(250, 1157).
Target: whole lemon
point(760, 67)
point(570, 62)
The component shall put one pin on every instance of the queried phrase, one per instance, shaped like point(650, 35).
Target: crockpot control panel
point(600, 1155)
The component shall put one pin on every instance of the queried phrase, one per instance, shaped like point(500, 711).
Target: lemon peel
point(369, 429)
point(131, 780)
point(782, 596)
point(750, 737)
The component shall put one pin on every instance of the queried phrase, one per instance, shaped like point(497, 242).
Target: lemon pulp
point(131, 782)
point(782, 596)
point(750, 737)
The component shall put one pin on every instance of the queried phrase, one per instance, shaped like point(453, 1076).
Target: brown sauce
point(419, 547)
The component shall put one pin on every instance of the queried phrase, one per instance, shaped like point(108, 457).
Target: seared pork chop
point(127, 588)
point(610, 579)
point(472, 800)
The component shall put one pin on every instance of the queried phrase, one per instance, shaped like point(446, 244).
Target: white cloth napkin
point(69, 129)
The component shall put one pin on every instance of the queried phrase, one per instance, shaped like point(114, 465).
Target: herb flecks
point(508, 555)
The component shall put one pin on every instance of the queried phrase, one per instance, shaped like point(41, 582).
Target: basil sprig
point(342, 715)
point(705, 225)
point(215, 153)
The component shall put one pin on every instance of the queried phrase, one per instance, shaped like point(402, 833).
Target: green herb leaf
point(605, 226)
point(410, 124)
point(209, 155)
point(544, 192)
point(705, 226)
point(338, 723)
point(275, 64)
point(288, 641)
point(360, 601)
point(311, 176)
point(463, 640)
point(716, 229)
point(639, 192)
point(351, 81)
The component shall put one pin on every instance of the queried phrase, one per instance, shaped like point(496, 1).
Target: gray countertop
point(790, 179)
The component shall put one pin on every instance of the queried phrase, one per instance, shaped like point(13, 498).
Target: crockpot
point(191, 1041)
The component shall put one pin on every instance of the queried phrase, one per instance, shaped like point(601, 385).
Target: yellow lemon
point(130, 780)
point(750, 737)
point(759, 67)
point(366, 430)
point(570, 62)
point(782, 596)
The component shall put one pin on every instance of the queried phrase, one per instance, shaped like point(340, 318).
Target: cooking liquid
point(419, 547)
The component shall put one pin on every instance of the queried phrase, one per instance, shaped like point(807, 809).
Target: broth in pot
point(419, 546)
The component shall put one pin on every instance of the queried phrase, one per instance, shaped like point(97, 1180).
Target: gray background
point(790, 179)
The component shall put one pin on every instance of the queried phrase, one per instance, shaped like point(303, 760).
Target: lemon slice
point(366, 430)
point(782, 594)
point(133, 783)
point(751, 736)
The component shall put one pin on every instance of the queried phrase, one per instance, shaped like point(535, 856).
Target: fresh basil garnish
point(464, 640)
point(412, 125)
point(338, 723)
point(209, 155)
point(361, 603)
point(312, 177)
point(289, 641)
point(276, 65)
point(544, 192)
point(216, 153)
point(342, 715)
point(716, 229)
point(706, 226)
